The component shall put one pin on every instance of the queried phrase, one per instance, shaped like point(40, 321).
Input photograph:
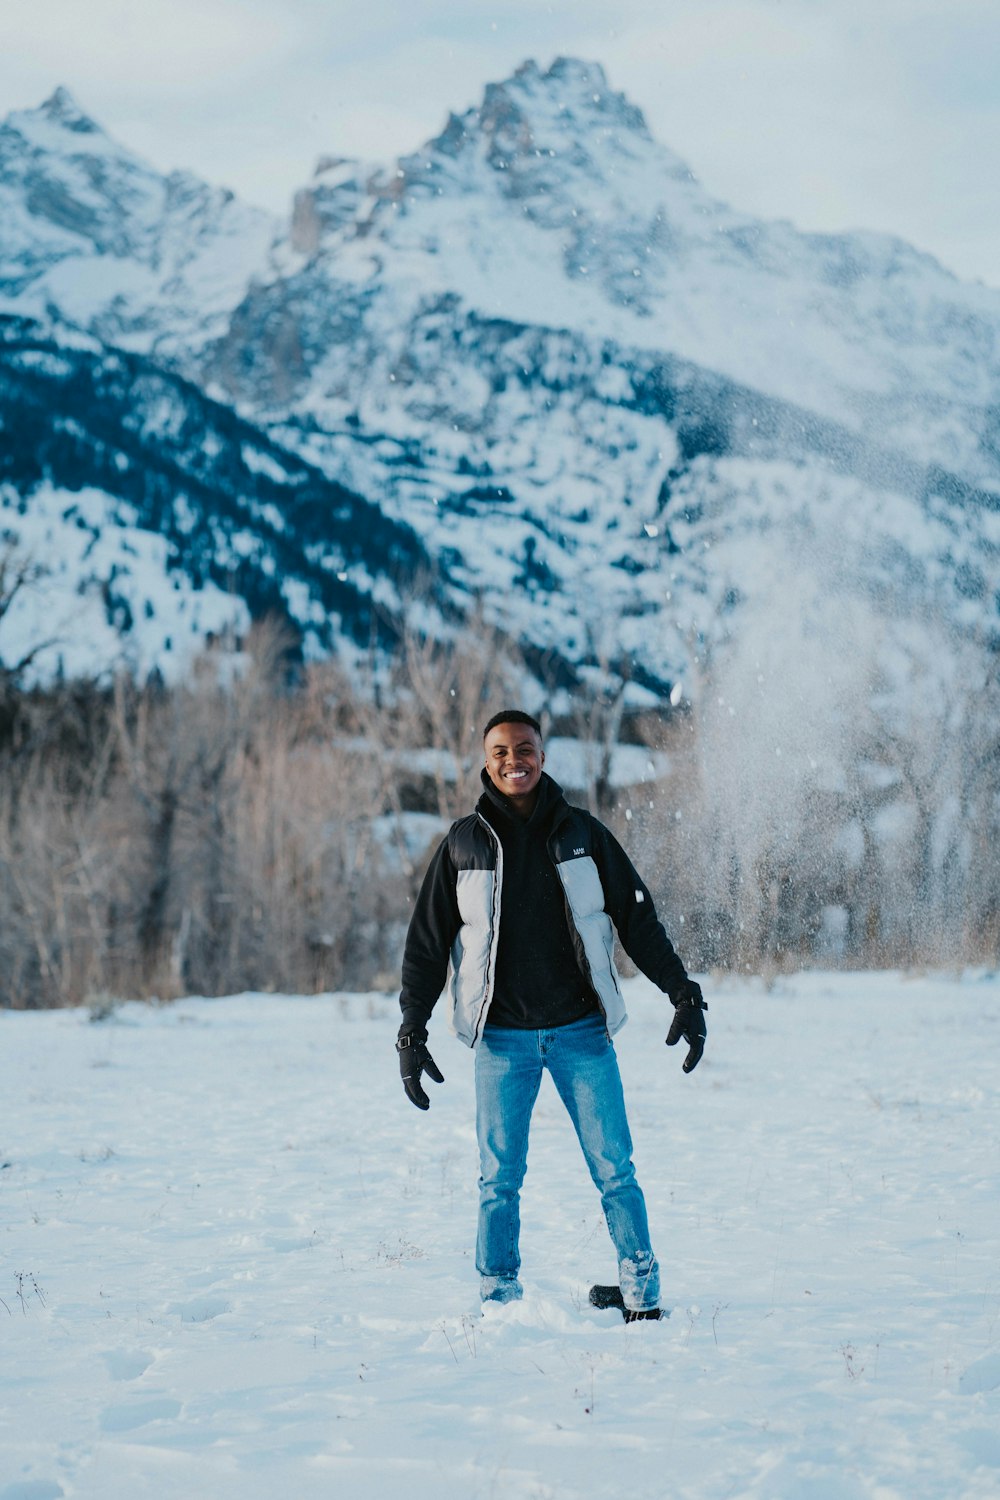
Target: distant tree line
point(249, 828)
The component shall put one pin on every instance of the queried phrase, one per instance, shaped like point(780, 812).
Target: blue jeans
point(581, 1059)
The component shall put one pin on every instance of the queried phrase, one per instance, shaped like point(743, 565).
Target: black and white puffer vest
point(477, 855)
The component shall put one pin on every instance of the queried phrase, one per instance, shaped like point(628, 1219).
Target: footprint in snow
point(982, 1375)
point(126, 1364)
point(201, 1310)
point(139, 1414)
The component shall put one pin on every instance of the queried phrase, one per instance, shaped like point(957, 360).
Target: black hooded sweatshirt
point(538, 980)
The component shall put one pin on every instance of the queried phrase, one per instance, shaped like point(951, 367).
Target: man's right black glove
point(415, 1059)
point(689, 1023)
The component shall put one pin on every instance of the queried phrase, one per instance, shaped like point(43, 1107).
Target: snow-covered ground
point(235, 1263)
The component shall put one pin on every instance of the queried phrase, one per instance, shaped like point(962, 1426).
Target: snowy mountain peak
point(582, 88)
point(556, 155)
point(120, 249)
point(67, 191)
point(571, 90)
point(550, 204)
point(568, 114)
point(61, 108)
point(58, 126)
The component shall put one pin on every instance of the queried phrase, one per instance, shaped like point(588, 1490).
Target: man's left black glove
point(415, 1059)
point(689, 1023)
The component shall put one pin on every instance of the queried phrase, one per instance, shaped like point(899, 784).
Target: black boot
point(611, 1296)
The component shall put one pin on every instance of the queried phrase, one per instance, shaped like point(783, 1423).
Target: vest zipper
point(491, 960)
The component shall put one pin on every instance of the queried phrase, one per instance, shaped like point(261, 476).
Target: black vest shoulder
point(572, 837)
point(471, 844)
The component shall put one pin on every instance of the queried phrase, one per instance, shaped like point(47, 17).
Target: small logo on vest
point(579, 851)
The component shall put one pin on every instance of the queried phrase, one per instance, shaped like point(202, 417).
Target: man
point(519, 899)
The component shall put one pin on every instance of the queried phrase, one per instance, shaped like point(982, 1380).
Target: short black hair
point(513, 716)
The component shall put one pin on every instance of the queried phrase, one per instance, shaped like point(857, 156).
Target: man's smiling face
point(514, 761)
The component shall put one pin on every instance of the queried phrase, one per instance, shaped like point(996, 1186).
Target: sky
point(834, 114)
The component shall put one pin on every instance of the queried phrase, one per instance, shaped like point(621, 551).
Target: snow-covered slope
point(151, 517)
point(102, 591)
point(92, 232)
